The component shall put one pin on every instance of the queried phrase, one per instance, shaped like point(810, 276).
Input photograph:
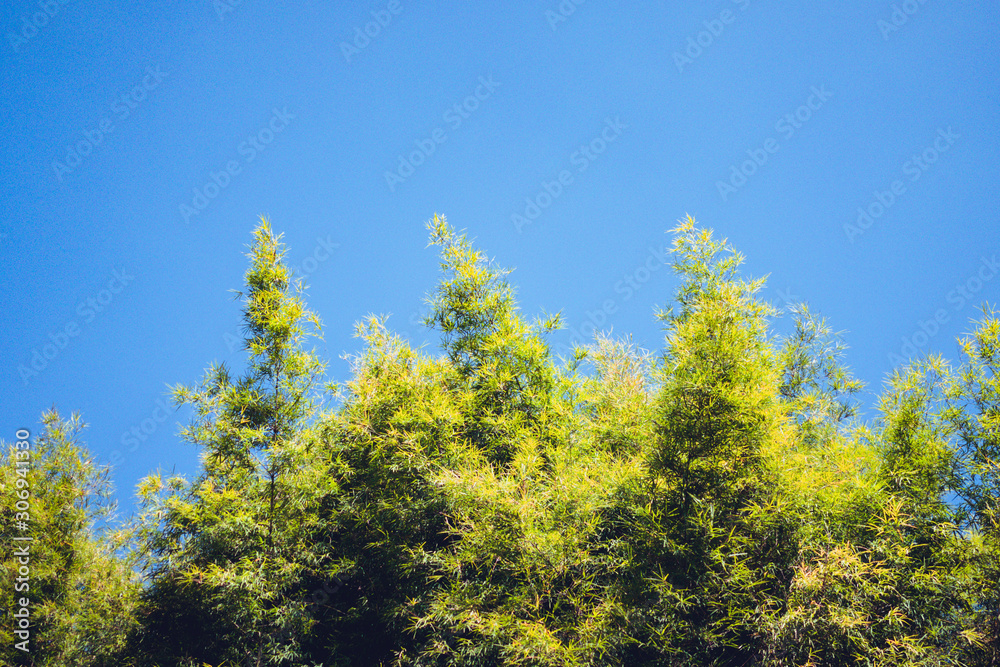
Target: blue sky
point(141, 145)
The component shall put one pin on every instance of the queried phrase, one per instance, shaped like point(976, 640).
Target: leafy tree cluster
point(719, 501)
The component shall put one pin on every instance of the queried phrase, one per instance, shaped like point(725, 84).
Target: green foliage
point(718, 501)
point(975, 413)
point(82, 597)
point(705, 538)
point(229, 557)
point(500, 359)
point(814, 383)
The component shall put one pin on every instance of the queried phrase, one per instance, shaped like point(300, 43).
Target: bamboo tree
point(230, 545)
point(719, 503)
point(974, 411)
point(890, 579)
point(82, 595)
point(703, 528)
point(501, 358)
point(522, 481)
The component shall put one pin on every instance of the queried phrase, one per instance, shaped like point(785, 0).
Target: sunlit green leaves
point(717, 501)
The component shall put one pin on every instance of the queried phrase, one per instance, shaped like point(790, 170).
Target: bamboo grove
point(719, 501)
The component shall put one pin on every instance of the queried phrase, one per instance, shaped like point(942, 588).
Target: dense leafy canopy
point(716, 502)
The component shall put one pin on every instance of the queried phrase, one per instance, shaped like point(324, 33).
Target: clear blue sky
point(141, 144)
